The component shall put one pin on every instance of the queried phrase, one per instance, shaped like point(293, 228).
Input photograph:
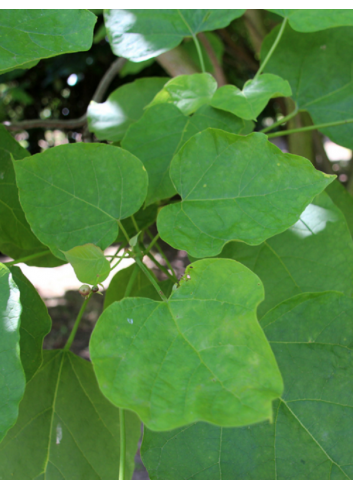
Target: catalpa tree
point(242, 368)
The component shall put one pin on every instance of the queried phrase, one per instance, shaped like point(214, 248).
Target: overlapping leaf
point(16, 238)
point(66, 429)
point(142, 287)
point(12, 379)
point(343, 200)
point(314, 255)
point(145, 352)
point(124, 106)
point(318, 67)
point(89, 263)
point(250, 102)
point(141, 34)
point(35, 323)
point(235, 188)
point(187, 92)
point(311, 20)
point(28, 35)
point(161, 131)
point(75, 194)
point(312, 338)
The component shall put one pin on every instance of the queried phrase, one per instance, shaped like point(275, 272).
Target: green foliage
point(16, 238)
point(130, 34)
point(187, 92)
point(161, 132)
point(37, 34)
point(125, 105)
point(240, 369)
point(236, 192)
point(251, 101)
point(91, 183)
point(12, 380)
point(35, 323)
point(318, 67)
point(89, 263)
point(311, 336)
point(311, 20)
point(66, 429)
point(154, 348)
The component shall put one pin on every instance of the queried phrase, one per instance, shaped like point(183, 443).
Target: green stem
point(123, 231)
point(162, 268)
point(116, 253)
point(273, 47)
point(150, 278)
point(128, 289)
point(199, 52)
point(196, 41)
point(122, 445)
point(119, 261)
point(76, 325)
point(281, 121)
point(163, 255)
point(27, 258)
point(309, 128)
point(152, 243)
point(135, 224)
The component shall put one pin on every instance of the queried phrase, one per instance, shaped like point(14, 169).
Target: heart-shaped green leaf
point(66, 429)
point(35, 323)
point(235, 188)
point(161, 131)
point(314, 255)
point(89, 263)
point(318, 67)
point(84, 188)
point(311, 336)
point(187, 92)
point(16, 237)
point(28, 35)
point(142, 287)
point(141, 34)
point(12, 379)
point(143, 351)
point(311, 20)
point(250, 102)
point(124, 106)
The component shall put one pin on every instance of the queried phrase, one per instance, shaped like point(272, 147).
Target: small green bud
point(95, 288)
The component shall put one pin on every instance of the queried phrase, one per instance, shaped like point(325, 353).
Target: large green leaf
point(35, 323)
point(250, 102)
point(312, 338)
point(124, 106)
point(187, 92)
point(66, 429)
point(318, 67)
point(89, 263)
point(314, 255)
point(162, 359)
point(141, 34)
point(28, 35)
point(235, 188)
point(142, 287)
point(12, 379)
point(343, 200)
point(161, 131)
point(75, 194)
point(311, 20)
point(16, 237)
